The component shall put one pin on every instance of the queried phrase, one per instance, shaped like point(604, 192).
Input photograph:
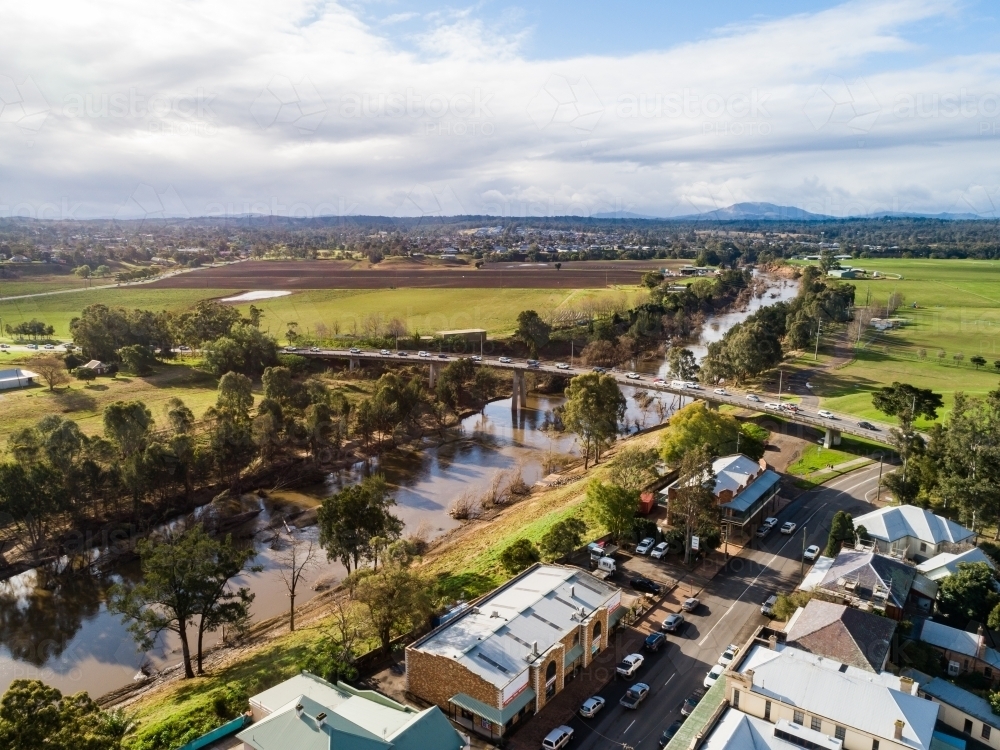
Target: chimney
point(299, 708)
point(772, 642)
point(981, 643)
point(572, 591)
point(321, 718)
point(898, 731)
point(534, 648)
point(906, 684)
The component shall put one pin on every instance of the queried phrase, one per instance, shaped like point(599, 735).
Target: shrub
point(519, 555)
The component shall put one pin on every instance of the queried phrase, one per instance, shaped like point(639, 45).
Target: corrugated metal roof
point(492, 713)
point(961, 699)
point(763, 484)
point(738, 731)
point(288, 728)
point(947, 637)
point(870, 570)
point(309, 685)
point(946, 564)
point(893, 523)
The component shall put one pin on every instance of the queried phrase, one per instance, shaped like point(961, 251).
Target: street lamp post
point(878, 488)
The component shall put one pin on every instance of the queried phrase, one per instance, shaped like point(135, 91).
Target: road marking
point(669, 679)
point(629, 726)
point(754, 581)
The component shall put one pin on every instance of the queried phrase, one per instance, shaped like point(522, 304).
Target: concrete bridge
point(832, 426)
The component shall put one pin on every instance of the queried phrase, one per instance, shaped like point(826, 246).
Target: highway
point(730, 608)
point(843, 423)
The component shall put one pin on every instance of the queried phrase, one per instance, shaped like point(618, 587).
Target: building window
point(736, 700)
point(840, 733)
point(986, 731)
point(550, 680)
point(874, 744)
point(923, 547)
point(815, 724)
point(988, 672)
point(767, 710)
point(798, 718)
point(968, 726)
point(576, 638)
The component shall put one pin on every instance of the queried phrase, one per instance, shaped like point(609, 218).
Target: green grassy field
point(423, 310)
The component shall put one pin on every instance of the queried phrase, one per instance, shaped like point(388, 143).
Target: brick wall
point(436, 678)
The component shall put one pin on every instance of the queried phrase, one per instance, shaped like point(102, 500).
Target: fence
point(225, 730)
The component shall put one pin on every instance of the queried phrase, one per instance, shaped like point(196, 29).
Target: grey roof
point(760, 486)
point(307, 684)
point(496, 715)
point(739, 731)
point(961, 699)
point(959, 641)
point(892, 523)
point(843, 694)
point(17, 373)
point(946, 564)
point(872, 572)
point(495, 638)
point(848, 635)
point(304, 731)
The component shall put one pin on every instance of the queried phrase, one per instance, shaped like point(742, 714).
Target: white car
point(660, 551)
point(721, 391)
point(505, 360)
point(714, 674)
point(825, 414)
point(314, 348)
point(694, 386)
point(752, 397)
point(423, 354)
point(772, 406)
point(558, 738)
point(591, 706)
point(771, 522)
point(562, 366)
point(291, 349)
point(630, 665)
point(49, 346)
point(788, 527)
point(355, 350)
point(643, 547)
point(384, 352)
point(728, 655)
point(633, 375)
point(811, 553)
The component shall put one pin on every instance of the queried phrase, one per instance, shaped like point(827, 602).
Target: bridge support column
point(519, 391)
point(713, 405)
point(433, 375)
point(831, 438)
point(353, 363)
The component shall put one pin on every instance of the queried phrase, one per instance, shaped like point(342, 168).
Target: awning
point(615, 617)
point(573, 654)
point(492, 713)
point(752, 499)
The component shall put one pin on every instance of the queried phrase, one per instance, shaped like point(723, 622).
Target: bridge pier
point(353, 363)
point(434, 374)
point(831, 438)
point(713, 405)
point(519, 397)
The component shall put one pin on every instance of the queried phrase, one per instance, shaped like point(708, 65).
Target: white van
point(558, 738)
point(767, 608)
point(678, 384)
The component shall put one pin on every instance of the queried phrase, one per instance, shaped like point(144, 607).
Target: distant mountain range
point(773, 212)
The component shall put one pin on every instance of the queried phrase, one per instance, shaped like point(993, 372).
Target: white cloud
point(304, 108)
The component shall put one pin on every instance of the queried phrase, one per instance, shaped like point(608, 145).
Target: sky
point(411, 107)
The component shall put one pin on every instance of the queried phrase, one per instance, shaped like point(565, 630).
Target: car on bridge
point(384, 352)
point(635, 695)
point(562, 366)
point(752, 397)
point(721, 392)
point(314, 349)
point(355, 350)
point(423, 354)
point(826, 414)
point(867, 426)
point(442, 356)
point(772, 406)
point(599, 369)
point(633, 376)
point(533, 363)
point(505, 360)
point(401, 353)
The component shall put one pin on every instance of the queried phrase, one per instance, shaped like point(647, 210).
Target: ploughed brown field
point(322, 274)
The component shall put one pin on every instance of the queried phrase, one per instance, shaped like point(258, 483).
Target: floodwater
point(54, 624)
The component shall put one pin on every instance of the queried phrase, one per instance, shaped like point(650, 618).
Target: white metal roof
point(945, 564)
point(897, 522)
point(731, 473)
point(495, 639)
point(739, 731)
point(867, 701)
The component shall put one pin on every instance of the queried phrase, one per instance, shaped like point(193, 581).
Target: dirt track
point(290, 275)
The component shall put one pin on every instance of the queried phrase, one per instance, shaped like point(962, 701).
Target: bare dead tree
point(297, 557)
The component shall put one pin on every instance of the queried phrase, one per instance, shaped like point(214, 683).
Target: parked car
point(763, 531)
point(729, 654)
point(752, 397)
point(690, 605)
point(355, 350)
point(825, 414)
point(867, 426)
point(558, 738)
point(630, 665)
point(505, 360)
point(562, 366)
point(643, 547)
point(641, 583)
point(654, 641)
point(767, 608)
point(691, 702)
point(713, 674)
point(788, 527)
point(660, 550)
point(314, 348)
point(591, 706)
point(635, 695)
point(673, 623)
point(669, 732)
point(811, 553)
point(770, 522)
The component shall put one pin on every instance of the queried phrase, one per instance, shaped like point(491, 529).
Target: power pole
point(781, 374)
point(878, 489)
point(819, 329)
point(802, 559)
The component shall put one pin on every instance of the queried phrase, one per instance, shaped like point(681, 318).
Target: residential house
point(97, 366)
point(868, 580)
point(859, 639)
point(946, 564)
point(912, 532)
point(740, 731)
point(308, 713)
point(796, 691)
point(963, 711)
point(501, 660)
point(964, 651)
point(16, 378)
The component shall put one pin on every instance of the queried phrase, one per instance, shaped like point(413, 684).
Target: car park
point(767, 608)
point(788, 527)
point(690, 605)
point(505, 360)
point(641, 583)
point(713, 674)
point(633, 376)
point(562, 366)
point(752, 397)
point(660, 550)
point(673, 623)
point(867, 426)
point(645, 546)
point(669, 732)
point(355, 350)
point(558, 738)
point(635, 695)
point(654, 641)
point(691, 702)
point(591, 706)
point(825, 414)
point(811, 553)
point(727, 656)
point(630, 665)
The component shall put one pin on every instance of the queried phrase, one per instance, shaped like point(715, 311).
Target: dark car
point(635, 695)
point(641, 583)
point(867, 426)
point(599, 369)
point(691, 701)
point(669, 732)
point(654, 641)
